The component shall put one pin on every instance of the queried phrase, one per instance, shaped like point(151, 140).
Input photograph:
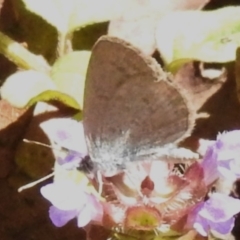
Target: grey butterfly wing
point(130, 108)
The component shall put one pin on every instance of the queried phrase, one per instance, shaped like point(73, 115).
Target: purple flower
point(69, 134)
point(227, 147)
point(66, 132)
point(71, 201)
point(216, 214)
point(68, 194)
point(71, 160)
point(210, 167)
point(223, 155)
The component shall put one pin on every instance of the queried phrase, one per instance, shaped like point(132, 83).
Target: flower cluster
point(151, 196)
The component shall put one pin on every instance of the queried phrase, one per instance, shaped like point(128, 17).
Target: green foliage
point(49, 95)
point(67, 16)
point(69, 72)
point(20, 87)
point(208, 36)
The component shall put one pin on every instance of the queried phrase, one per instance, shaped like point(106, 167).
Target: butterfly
point(132, 110)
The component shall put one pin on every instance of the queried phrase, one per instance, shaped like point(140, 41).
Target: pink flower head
point(165, 198)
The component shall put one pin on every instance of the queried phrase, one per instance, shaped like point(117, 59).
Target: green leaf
point(69, 15)
point(78, 116)
point(18, 54)
point(209, 36)
point(20, 87)
point(54, 95)
point(69, 74)
point(30, 160)
point(65, 84)
point(174, 66)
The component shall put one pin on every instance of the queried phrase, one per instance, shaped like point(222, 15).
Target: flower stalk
point(18, 54)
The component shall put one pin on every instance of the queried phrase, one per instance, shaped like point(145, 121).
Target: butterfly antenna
point(41, 144)
point(32, 184)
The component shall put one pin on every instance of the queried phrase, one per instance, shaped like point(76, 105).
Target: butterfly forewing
point(129, 105)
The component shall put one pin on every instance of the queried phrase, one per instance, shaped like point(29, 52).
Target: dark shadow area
point(25, 215)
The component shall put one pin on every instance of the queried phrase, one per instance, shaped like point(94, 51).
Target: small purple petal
point(223, 156)
point(228, 140)
point(67, 133)
point(62, 135)
point(225, 164)
point(70, 201)
point(96, 208)
point(217, 213)
point(71, 136)
point(60, 217)
point(72, 160)
point(84, 216)
point(93, 210)
point(71, 157)
point(202, 226)
point(209, 165)
point(223, 227)
point(220, 208)
point(64, 195)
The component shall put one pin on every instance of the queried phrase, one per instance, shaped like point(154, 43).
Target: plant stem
point(23, 58)
point(64, 44)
